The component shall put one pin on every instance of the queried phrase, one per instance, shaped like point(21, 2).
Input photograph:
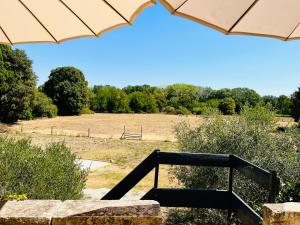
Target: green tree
point(270, 100)
point(17, 85)
point(142, 102)
point(227, 106)
point(160, 98)
point(220, 94)
point(295, 109)
point(139, 88)
point(43, 106)
point(110, 99)
point(284, 105)
point(182, 95)
point(245, 96)
point(68, 89)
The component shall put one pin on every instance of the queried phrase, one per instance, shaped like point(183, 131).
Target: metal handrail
point(190, 197)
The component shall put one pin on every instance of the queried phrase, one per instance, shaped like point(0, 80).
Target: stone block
point(30, 212)
point(85, 212)
point(282, 214)
point(108, 213)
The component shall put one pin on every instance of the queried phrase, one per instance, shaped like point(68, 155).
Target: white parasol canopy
point(269, 18)
point(29, 21)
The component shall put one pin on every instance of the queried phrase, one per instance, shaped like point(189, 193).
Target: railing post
point(274, 187)
point(156, 169)
point(230, 181)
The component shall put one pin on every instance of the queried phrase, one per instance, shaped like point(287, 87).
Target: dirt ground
point(157, 127)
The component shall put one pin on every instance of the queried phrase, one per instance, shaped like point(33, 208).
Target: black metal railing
point(197, 198)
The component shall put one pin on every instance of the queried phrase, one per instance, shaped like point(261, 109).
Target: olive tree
point(251, 136)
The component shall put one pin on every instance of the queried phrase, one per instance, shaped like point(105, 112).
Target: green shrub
point(227, 106)
point(251, 136)
point(170, 110)
point(43, 106)
point(290, 193)
point(182, 110)
point(50, 173)
point(86, 110)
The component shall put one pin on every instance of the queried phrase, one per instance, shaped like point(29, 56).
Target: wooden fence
point(126, 135)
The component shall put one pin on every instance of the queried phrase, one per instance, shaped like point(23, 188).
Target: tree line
point(67, 93)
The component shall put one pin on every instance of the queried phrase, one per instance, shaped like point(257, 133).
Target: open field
point(155, 126)
point(105, 145)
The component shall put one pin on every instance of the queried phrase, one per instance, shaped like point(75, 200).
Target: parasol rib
point(34, 16)
point(5, 34)
point(296, 27)
point(179, 6)
point(78, 17)
point(243, 15)
point(113, 8)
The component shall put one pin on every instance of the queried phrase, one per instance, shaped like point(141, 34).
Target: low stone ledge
point(42, 212)
point(282, 214)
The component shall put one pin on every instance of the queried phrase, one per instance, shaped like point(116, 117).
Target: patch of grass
point(123, 157)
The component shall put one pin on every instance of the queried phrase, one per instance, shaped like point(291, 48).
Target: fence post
point(89, 132)
point(52, 131)
point(141, 132)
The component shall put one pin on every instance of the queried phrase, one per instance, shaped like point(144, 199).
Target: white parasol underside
point(269, 18)
point(30, 21)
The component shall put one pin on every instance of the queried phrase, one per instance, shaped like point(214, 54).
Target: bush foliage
point(43, 106)
point(227, 106)
point(251, 136)
point(49, 173)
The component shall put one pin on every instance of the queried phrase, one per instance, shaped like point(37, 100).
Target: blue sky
point(161, 49)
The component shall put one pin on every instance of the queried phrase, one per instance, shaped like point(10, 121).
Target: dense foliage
point(43, 106)
point(68, 89)
point(17, 85)
point(182, 99)
point(142, 102)
point(50, 173)
point(296, 105)
point(227, 106)
point(251, 136)
point(109, 99)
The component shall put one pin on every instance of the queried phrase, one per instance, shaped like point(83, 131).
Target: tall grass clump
point(50, 173)
point(252, 136)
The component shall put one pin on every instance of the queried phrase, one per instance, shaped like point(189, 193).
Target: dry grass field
point(158, 127)
point(105, 145)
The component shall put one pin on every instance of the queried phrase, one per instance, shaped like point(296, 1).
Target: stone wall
point(282, 214)
point(40, 212)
